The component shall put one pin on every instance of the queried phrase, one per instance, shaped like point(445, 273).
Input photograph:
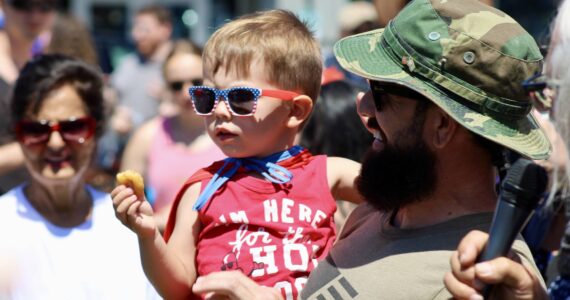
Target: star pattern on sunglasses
point(241, 101)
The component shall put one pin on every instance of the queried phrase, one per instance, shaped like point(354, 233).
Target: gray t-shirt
point(138, 83)
point(374, 260)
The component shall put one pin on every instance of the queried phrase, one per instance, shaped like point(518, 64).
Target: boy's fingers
point(122, 208)
point(132, 210)
point(117, 190)
point(121, 196)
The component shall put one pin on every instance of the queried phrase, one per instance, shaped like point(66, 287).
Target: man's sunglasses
point(75, 130)
point(176, 86)
point(380, 90)
point(30, 5)
point(241, 101)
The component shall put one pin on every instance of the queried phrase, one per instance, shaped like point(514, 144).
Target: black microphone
point(521, 190)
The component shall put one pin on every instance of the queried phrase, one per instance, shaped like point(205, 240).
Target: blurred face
point(260, 134)
point(67, 151)
point(149, 34)
point(181, 72)
point(28, 21)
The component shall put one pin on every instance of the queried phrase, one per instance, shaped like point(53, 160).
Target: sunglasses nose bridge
point(222, 106)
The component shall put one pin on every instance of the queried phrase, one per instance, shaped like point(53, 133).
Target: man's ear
point(442, 127)
point(300, 110)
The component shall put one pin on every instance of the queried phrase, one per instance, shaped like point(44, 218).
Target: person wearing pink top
point(168, 149)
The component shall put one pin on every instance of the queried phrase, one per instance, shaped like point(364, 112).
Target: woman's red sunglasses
point(74, 130)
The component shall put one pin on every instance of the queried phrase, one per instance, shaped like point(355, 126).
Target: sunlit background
point(109, 20)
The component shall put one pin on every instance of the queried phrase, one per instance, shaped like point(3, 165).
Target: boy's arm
point(171, 267)
point(341, 175)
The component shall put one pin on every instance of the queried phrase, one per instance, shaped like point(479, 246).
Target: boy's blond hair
point(290, 54)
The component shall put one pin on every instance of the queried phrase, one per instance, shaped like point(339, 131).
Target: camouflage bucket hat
point(468, 58)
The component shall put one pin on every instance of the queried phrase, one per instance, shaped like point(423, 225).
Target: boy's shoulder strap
point(200, 175)
point(299, 160)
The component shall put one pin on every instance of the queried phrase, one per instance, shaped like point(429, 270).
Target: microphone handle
point(508, 221)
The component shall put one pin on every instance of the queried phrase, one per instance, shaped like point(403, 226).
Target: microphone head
point(524, 184)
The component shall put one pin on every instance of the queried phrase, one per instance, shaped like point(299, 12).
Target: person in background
point(354, 17)
point(138, 77)
point(516, 278)
point(558, 88)
point(62, 239)
point(335, 129)
point(138, 82)
point(167, 150)
point(69, 36)
point(24, 22)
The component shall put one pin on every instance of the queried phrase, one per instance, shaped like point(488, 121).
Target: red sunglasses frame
point(53, 127)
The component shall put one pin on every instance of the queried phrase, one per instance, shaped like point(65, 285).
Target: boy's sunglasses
point(176, 86)
point(74, 130)
point(241, 101)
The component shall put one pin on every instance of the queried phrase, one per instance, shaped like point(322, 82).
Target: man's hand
point(512, 279)
point(233, 285)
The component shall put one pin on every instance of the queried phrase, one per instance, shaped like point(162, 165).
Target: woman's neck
point(65, 205)
point(186, 129)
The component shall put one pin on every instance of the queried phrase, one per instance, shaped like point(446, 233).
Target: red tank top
point(275, 234)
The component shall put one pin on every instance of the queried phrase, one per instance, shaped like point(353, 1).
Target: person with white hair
point(504, 270)
point(559, 83)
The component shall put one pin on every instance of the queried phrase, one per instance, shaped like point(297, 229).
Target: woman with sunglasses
point(59, 234)
point(166, 150)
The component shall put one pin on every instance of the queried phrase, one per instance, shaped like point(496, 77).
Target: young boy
point(267, 210)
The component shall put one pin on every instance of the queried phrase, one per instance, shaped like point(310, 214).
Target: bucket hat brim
point(362, 55)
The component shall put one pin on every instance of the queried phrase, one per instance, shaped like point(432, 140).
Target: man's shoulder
point(362, 214)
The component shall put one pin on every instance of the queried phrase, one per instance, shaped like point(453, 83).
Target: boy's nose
point(222, 111)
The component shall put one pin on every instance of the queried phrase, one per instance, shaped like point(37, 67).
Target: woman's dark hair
point(45, 73)
point(335, 128)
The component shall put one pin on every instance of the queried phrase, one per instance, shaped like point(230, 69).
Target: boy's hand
point(233, 285)
point(133, 211)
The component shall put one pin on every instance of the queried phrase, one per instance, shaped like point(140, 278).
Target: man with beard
point(445, 101)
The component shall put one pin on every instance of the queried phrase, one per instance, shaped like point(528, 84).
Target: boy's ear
point(300, 110)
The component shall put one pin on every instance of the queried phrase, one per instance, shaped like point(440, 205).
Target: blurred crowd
point(147, 124)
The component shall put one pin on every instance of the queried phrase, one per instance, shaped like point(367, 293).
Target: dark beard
point(397, 176)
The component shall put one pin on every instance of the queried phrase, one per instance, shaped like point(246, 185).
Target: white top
point(98, 259)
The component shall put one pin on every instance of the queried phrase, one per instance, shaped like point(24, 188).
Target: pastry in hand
point(133, 180)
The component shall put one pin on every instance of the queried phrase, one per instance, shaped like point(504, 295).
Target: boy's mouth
point(224, 134)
